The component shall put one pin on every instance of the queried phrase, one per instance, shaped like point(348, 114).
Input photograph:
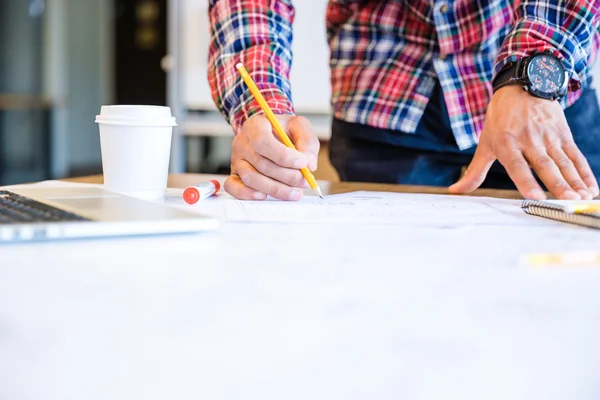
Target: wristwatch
point(542, 74)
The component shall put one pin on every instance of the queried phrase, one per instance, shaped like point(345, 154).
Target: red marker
point(194, 194)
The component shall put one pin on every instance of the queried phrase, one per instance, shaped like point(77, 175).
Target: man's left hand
point(524, 132)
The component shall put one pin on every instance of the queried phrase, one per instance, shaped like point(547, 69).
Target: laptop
point(38, 214)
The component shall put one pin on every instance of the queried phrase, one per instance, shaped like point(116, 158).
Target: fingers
point(304, 139)
point(264, 143)
point(476, 172)
point(582, 166)
point(253, 179)
point(520, 173)
point(288, 176)
point(235, 187)
point(262, 165)
point(526, 133)
point(550, 173)
point(569, 172)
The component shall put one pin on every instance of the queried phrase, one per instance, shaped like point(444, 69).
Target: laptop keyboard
point(16, 209)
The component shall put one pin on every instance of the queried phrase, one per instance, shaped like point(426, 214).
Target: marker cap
point(192, 195)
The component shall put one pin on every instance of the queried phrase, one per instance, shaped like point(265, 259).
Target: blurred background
point(60, 60)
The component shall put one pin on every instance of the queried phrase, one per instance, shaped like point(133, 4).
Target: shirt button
point(443, 8)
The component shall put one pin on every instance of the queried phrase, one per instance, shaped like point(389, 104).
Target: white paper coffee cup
point(135, 141)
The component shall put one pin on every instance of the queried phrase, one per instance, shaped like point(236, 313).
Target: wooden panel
point(325, 171)
point(183, 180)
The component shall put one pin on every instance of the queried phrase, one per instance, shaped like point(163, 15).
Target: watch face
point(546, 74)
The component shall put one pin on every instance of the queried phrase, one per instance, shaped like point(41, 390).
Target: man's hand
point(261, 165)
point(522, 131)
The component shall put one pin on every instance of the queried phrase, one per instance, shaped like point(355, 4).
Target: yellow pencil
point(276, 125)
point(584, 208)
point(563, 259)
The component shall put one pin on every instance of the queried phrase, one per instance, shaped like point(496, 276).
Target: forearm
point(568, 27)
point(257, 33)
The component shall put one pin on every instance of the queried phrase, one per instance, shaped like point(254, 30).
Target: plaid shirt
point(387, 55)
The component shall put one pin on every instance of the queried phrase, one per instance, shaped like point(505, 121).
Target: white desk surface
point(371, 312)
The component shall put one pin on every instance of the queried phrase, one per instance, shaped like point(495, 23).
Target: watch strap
point(509, 75)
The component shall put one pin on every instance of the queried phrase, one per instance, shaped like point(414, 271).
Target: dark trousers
point(431, 157)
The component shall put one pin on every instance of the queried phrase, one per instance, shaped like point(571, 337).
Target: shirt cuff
point(277, 101)
point(529, 35)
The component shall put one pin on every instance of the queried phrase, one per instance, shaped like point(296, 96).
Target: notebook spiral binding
point(558, 213)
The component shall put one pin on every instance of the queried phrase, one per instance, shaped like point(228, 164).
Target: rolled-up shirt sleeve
point(258, 34)
point(569, 28)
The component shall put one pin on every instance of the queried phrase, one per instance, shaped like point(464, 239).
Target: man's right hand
point(261, 165)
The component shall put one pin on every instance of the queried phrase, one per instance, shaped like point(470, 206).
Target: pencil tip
point(239, 65)
point(318, 190)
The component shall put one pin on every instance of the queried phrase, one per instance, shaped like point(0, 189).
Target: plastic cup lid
point(138, 115)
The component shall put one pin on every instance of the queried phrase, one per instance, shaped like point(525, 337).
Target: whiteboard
point(311, 89)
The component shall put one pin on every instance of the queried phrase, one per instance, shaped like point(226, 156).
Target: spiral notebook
point(564, 211)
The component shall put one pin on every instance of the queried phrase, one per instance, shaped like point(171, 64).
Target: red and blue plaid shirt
point(387, 55)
